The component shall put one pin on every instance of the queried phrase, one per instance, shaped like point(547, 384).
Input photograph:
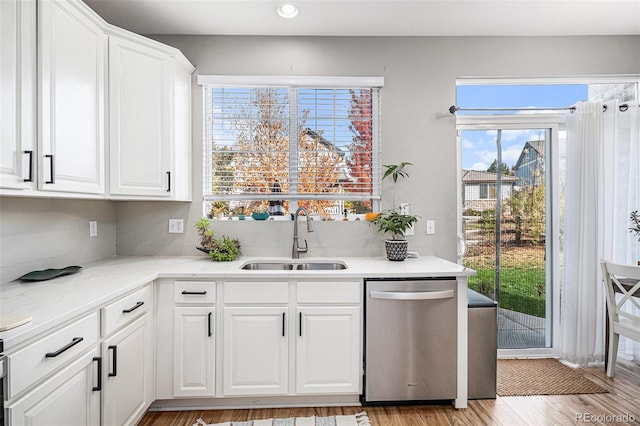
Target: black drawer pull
point(53, 173)
point(99, 361)
point(194, 293)
point(168, 181)
point(114, 361)
point(300, 325)
point(283, 324)
point(209, 325)
point(74, 342)
point(30, 178)
point(128, 311)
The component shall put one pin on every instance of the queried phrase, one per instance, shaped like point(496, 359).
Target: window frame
point(292, 84)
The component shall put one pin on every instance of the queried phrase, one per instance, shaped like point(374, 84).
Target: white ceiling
point(375, 17)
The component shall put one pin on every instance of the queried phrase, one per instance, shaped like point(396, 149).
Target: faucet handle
point(303, 250)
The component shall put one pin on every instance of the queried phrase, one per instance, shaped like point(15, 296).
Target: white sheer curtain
point(602, 188)
point(622, 194)
point(582, 297)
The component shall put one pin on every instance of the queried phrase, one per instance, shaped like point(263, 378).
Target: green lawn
point(522, 279)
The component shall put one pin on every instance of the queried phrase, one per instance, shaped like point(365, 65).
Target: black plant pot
point(396, 249)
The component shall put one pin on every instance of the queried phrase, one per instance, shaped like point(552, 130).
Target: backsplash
point(41, 233)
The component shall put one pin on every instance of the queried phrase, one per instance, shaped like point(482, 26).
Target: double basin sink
point(294, 266)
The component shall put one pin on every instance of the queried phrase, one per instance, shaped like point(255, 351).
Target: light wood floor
point(610, 408)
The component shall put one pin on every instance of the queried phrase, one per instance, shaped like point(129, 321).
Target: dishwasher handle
point(404, 295)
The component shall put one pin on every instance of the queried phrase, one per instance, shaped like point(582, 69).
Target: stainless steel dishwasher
point(410, 340)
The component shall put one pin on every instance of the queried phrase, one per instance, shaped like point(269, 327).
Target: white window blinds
point(313, 144)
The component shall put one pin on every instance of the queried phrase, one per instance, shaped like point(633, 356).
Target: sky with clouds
point(479, 146)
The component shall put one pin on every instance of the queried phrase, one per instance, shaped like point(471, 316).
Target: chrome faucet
point(296, 249)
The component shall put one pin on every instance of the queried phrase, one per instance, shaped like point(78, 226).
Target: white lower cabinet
point(255, 350)
point(187, 328)
point(251, 338)
point(128, 380)
point(194, 351)
point(71, 397)
point(328, 350)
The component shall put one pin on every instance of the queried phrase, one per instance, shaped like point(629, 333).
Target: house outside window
point(276, 147)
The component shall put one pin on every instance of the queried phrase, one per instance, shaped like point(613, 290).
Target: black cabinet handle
point(30, 178)
point(133, 308)
point(168, 181)
point(53, 173)
point(209, 324)
point(198, 293)
point(99, 361)
point(300, 325)
point(114, 361)
point(74, 342)
point(283, 324)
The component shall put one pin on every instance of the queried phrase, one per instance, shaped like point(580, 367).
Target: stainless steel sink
point(268, 266)
point(289, 266)
point(321, 266)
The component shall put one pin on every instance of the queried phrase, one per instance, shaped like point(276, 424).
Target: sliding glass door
point(506, 224)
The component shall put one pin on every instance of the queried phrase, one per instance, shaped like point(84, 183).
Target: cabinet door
point(17, 93)
point(128, 365)
point(194, 351)
point(71, 88)
point(71, 397)
point(328, 350)
point(140, 97)
point(255, 350)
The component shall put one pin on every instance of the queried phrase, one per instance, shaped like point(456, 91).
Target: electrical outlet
point(431, 227)
point(93, 228)
point(176, 226)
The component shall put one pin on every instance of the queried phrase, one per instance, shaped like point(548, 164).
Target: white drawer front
point(329, 292)
point(126, 309)
point(53, 351)
point(256, 292)
point(194, 292)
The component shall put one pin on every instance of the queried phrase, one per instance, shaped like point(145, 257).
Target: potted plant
point(392, 221)
point(225, 249)
point(219, 209)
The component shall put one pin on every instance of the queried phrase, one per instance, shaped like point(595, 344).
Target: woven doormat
point(547, 376)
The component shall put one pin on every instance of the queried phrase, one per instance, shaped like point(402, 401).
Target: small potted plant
point(392, 221)
point(219, 209)
point(225, 249)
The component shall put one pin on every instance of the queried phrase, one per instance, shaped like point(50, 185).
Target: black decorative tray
point(48, 274)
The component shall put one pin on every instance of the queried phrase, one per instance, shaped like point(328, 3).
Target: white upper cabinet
point(88, 110)
point(71, 84)
point(150, 120)
point(140, 130)
point(17, 93)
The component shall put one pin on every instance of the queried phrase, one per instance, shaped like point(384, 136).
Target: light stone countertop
point(52, 303)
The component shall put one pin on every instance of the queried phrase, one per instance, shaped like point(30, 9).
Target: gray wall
point(41, 233)
point(420, 75)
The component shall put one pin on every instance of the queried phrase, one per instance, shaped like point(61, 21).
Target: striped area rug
point(547, 376)
point(360, 419)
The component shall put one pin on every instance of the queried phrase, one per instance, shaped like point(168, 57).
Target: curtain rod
point(453, 109)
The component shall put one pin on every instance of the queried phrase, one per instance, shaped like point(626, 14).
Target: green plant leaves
point(396, 170)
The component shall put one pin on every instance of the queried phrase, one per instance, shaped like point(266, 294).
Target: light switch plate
point(431, 227)
point(176, 226)
point(93, 228)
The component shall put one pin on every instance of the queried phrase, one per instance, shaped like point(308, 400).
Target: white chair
point(624, 280)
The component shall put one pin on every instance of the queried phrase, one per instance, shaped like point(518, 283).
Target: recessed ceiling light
point(287, 11)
